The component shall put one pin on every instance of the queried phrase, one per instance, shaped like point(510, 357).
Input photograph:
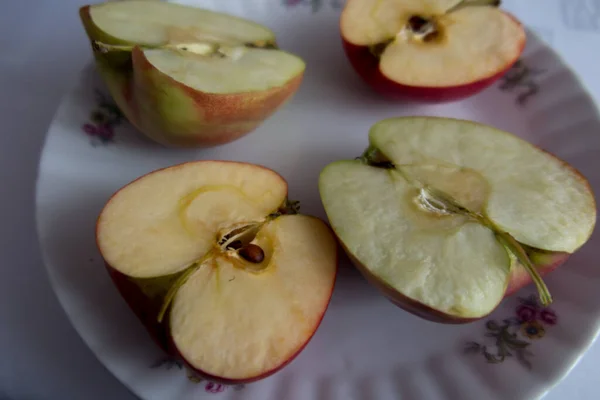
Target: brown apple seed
point(418, 24)
point(252, 253)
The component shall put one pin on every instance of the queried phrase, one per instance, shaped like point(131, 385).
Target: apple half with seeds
point(432, 51)
point(189, 77)
point(448, 216)
point(219, 266)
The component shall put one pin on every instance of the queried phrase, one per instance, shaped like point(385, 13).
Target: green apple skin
point(171, 113)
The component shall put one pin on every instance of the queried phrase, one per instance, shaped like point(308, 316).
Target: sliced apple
point(449, 216)
point(438, 50)
point(186, 76)
point(219, 266)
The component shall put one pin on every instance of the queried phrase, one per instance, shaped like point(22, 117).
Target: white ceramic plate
point(365, 349)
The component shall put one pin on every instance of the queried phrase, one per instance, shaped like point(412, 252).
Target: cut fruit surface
point(157, 23)
point(242, 70)
point(205, 50)
point(445, 263)
point(462, 46)
point(231, 323)
point(186, 76)
point(533, 195)
point(219, 266)
point(179, 211)
point(445, 213)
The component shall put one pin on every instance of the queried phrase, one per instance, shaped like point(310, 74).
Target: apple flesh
point(219, 266)
point(447, 217)
point(189, 77)
point(432, 51)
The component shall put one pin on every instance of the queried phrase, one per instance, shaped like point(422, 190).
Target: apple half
point(448, 216)
point(432, 51)
point(189, 77)
point(219, 266)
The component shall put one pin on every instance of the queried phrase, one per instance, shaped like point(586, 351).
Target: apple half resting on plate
point(219, 266)
point(448, 216)
point(186, 76)
point(433, 51)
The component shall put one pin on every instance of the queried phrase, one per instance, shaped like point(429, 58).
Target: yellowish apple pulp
point(474, 43)
point(226, 320)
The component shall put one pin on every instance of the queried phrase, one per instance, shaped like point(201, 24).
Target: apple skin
point(172, 113)
point(366, 64)
point(146, 308)
point(544, 263)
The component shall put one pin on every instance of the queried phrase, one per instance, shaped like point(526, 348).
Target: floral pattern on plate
point(103, 120)
point(521, 78)
point(209, 387)
point(514, 336)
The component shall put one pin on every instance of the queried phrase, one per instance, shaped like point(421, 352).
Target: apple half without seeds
point(219, 266)
point(186, 76)
point(447, 216)
point(433, 51)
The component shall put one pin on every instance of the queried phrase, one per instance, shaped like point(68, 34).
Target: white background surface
point(43, 48)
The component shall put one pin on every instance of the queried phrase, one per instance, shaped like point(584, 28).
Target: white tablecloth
point(42, 50)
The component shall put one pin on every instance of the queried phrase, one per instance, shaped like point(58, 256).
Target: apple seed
point(418, 24)
point(252, 253)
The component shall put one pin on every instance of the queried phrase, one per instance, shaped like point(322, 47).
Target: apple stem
point(471, 3)
point(512, 245)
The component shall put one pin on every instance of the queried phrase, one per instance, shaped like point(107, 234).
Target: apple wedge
point(189, 77)
point(447, 216)
point(219, 266)
point(433, 51)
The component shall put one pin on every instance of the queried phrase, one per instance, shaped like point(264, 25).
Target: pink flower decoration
point(212, 387)
point(548, 317)
point(526, 313)
point(90, 129)
point(105, 131)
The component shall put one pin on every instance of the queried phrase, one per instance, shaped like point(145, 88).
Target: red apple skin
point(544, 263)
point(172, 113)
point(367, 66)
point(147, 308)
